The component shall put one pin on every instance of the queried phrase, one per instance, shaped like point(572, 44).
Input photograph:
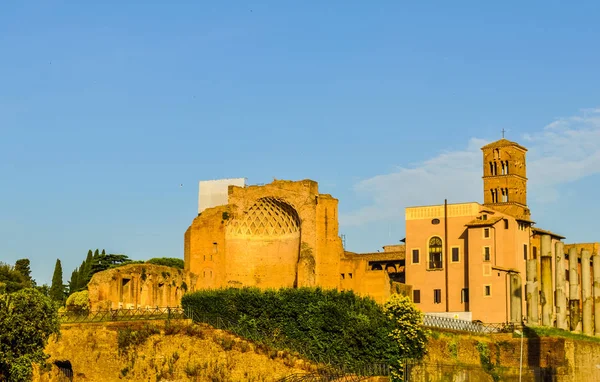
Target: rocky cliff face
point(180, 351)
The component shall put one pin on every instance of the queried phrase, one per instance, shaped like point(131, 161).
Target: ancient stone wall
point(283, 234)
point(139, 286)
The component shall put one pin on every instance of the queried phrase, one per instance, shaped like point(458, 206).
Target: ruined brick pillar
point(586, 293)
point(574, 315)
point(560, 277)
point(596, 265)
point(532, 293)
point(516, 293)
point(546, 270)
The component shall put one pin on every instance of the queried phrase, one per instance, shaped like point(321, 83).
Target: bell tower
point(505, 178)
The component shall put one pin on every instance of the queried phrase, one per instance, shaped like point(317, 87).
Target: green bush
point(167, 261)
point(324, 325)
point(27, 319)
point(78, 302)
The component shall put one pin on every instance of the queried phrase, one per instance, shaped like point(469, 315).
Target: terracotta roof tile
point(484, 223)
point(545, 232)
point(503, 143)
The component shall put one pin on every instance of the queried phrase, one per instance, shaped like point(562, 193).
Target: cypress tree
point(57, 287)
point(74, 283)
point(87, 269)
point(82, 276)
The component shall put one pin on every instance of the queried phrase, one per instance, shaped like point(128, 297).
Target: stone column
point(573, 291)
point(532, 293)
point(586, 293)
point(546, 270)
point(516, 293)
point(560, 277)
point(596, 264)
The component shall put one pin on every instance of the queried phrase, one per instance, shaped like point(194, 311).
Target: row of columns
point(584, 314)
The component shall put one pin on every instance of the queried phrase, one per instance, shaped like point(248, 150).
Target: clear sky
point(106, 109)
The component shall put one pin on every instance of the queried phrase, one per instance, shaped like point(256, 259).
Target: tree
point(167, 261)
point(57, 287)
point(74, 282)
point(10, 279)
point(104, 262)
point(27, 319)
point(22, 266)
point(407, 331)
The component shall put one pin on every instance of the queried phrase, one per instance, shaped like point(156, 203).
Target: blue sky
point(106, 109)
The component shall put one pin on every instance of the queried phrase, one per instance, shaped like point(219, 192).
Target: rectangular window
point(486, 254)
point(455, 257)
point(535, 252)
point(505, 223)
point(350, 275)
point(415, 253)
point(484, 217)
point(464, 295)
point(487, 290)
point(343, 276)
point(417, 296)
point(486, 232)
point(524, 251)
point(437, 296)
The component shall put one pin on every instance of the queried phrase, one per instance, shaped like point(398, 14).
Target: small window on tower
point(505, 223)
point(486, 232)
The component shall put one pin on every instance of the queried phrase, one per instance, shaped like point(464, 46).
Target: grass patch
point(539, 331)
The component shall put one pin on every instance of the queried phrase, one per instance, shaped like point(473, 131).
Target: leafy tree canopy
point(27, 319)
point(167, 261)
point(11, 280)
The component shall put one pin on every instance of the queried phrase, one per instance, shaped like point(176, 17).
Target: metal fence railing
point(133, 314)
point(440, 322)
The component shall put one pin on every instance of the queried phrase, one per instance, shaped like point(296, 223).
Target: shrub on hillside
point(324, 325)
point(167, 261)
point(78, 302)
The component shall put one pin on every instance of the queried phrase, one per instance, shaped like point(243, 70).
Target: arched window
point(435, 253)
